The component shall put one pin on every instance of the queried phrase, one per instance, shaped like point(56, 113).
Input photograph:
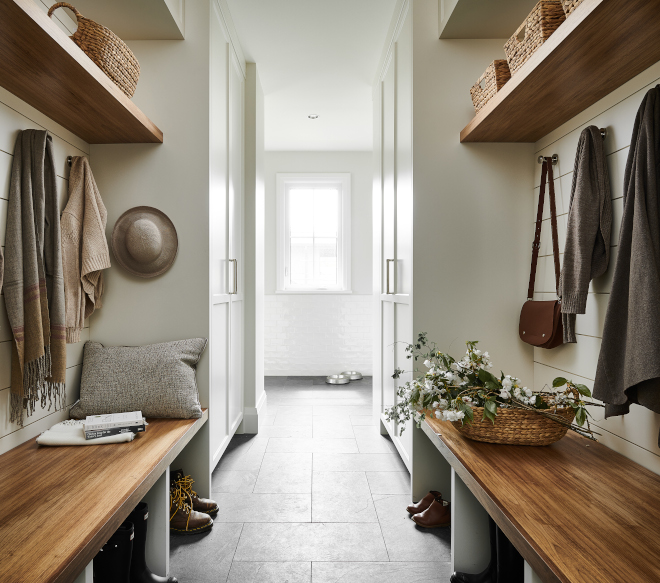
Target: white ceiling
point(315, 57)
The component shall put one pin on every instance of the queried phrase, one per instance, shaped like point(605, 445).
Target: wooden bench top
point(59, 505)
point(577, 511)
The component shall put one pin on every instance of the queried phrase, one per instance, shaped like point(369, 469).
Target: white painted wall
point(173, 177)
point(16, 115)
point(636, 434)
point(471, 234)
point(320, 334)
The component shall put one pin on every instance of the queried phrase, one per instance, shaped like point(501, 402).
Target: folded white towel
point(71, 432)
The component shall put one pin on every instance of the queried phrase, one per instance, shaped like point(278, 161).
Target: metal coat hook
point(555, 159)
point(69, 159)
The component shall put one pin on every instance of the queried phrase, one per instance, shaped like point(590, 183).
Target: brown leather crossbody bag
point(540, 322)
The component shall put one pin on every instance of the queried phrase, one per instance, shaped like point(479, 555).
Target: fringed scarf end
point(16, 406)
point(57, 393)
point(34, 376)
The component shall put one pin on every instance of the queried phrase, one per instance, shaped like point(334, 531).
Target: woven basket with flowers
point(484, 407)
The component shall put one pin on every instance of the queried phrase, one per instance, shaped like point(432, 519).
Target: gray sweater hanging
point(629, 362)
point(587, 251)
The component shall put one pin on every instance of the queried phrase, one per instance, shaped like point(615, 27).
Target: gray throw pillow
point(157, 379)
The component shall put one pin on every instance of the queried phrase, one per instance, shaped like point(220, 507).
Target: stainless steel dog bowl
point(352, 374)
point(337, 379)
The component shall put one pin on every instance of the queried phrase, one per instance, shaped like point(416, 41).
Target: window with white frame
point(313, 232)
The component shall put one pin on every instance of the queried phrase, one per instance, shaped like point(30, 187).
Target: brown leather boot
point(424, 503)
point(204, 505)
point(435, 516)
point(183, 519)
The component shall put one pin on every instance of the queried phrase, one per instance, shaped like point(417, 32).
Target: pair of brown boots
point(431, 511)
point(189, 514)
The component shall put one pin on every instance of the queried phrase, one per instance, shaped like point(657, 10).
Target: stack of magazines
point(113, 424)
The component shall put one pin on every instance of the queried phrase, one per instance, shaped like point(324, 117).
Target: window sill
point(313, 292)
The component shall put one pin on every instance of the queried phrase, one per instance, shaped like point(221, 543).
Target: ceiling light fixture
point(313, 116)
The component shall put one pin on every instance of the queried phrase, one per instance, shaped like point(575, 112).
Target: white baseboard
point(251, 415)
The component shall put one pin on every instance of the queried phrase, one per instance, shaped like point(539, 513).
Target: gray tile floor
point(317, 495)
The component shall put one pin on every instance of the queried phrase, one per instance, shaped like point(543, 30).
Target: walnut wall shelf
point(603, 44)
point(43, 67)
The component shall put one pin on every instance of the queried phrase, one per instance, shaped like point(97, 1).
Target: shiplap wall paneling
point(636, 434)
point(15, 115)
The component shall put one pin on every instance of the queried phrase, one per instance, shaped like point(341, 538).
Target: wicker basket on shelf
point(106, 49)
point(542, 21)
point(493, 79)
point(570, 5)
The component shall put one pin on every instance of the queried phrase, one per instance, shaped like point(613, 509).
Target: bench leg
point(531, 576)
point(195, 460)
point(470, 543)
point(158, 529)
point(430, 470)
point(87, 576)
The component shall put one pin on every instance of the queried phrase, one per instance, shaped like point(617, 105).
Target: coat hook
point(555, 159)
point(603, 132)
point(69, 159)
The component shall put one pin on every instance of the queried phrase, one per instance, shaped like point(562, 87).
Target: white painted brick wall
point(317, 334)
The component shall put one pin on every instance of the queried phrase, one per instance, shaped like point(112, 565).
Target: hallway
point(318, 495)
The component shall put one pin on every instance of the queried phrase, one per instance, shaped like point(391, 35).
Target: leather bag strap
point(553, 222)
point(546, 176)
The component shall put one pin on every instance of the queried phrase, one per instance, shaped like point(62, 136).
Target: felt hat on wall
point(144, 241)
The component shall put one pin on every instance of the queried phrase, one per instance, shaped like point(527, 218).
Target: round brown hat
point(144, 241)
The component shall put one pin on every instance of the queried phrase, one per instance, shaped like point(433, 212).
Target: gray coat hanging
point(629, 362)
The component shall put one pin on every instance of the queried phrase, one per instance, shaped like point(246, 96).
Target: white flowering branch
point(453, 388)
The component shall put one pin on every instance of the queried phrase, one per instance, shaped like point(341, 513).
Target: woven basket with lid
point(493, 79)
point(543, 20)
point(570, 5)
point(106, 49)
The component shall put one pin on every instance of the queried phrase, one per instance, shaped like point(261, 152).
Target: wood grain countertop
point(577, 511)
point(59, 505)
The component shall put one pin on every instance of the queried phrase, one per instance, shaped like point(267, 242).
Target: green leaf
point(584, 390)
point(485, 377)
point(492, 386)
point(581, 416)
point(489, 415)
point(558, 382)
point(540, 403)
point(491, 406)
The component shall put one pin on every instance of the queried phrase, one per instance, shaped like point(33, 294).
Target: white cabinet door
point(226, 202)
point(404, 208)
point(396, 226)
point(237, 265)
point(388, 230)
point(219, 234)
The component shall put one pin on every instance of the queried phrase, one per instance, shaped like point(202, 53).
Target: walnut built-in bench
point(577, 511)
point(59, 505)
